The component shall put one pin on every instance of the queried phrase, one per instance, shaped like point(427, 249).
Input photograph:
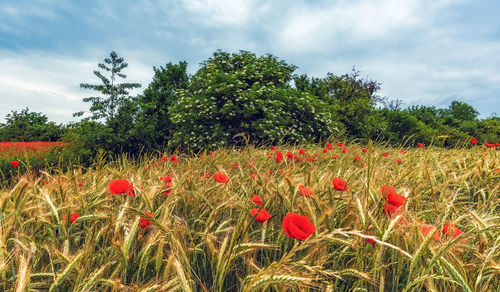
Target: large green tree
point(113, 93)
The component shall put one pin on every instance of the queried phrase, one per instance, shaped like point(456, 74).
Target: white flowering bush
point(241, 93)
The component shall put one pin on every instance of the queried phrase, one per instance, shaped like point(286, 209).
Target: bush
point(248, 95)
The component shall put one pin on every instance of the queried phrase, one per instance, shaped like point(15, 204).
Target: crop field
point(328, 217)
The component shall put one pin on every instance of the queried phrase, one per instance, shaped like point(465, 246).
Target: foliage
point(352, 98)
point(29, 126)
point(153, 126)
point(242, 94)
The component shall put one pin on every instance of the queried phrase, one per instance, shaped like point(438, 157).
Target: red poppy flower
point(420, 145)
point(256, 199)
point(334, 156)
point(357, 157)
point(163, 159)
point(252, 163)
point(236, 165)
point(340, 145)
point(14, 163)
point(385, 154)
point(391, 197)
point(329, 146)
point(364, 150)
point(298, 226)
point(473, 141)
point(450, 229)
point(426, 228)
point(399, 160)
point(302, 151)
point(344, 150)
point(278, 156)
point(73, 217)
point(121, 186)
point(497, 144)
point(174, 159)
point(81, 184)
point(339, 184)
point(305, 191)
point(289, 155)
point(370, 241)
point(168, 189)
point(254, 175)
point(404, 151)
point(263, 215)
point(220, 177)
point(143, 222)
point(47, 181)
point(325, 150)
point(395, 202)
point(270, 172)
point(361, 166)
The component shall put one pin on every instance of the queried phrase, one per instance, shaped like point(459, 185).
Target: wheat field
point(202, 236)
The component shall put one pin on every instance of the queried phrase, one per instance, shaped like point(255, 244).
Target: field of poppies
point(330, 217)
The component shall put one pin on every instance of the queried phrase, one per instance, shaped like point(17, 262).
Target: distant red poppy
point(339, 184)
point(370, 241)
point(399, 160)
point(143, 222)
point(73, 217)
point(404, 151)
point(325, 150)
point(14, 163)
point(252, 163)
point(329, 146)
point(270, 172)
point(289, 155)
point(473, 141)
point(305, 191)
point(256, 199)
point(385, 154)
point(302, 151)
point(450, 229)
point(164, 158)
point(426, 228)
point(174, 159)
point(262, 216)
point(220, 177)
point(167, 189)
point(364, 150)
point(344, 150)
point(236, 165)
point(278, 156)
point(334, 156)
point(340, 145)
point(298, 226)
point(121, 186)
point(420, 145)
point(310, 159)
point(395, 202)
point(81, 184)
point(357, 157)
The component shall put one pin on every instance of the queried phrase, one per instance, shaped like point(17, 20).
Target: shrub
point(249, 95)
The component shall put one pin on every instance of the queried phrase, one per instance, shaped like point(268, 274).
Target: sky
point(424, 52)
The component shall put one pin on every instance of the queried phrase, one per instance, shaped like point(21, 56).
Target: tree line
point(240, 98)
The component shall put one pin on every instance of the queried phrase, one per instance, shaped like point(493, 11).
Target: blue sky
point(423, 52)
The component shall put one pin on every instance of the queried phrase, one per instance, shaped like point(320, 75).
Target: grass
point(203, 238)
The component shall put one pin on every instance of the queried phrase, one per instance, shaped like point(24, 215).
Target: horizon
point(423, 52)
